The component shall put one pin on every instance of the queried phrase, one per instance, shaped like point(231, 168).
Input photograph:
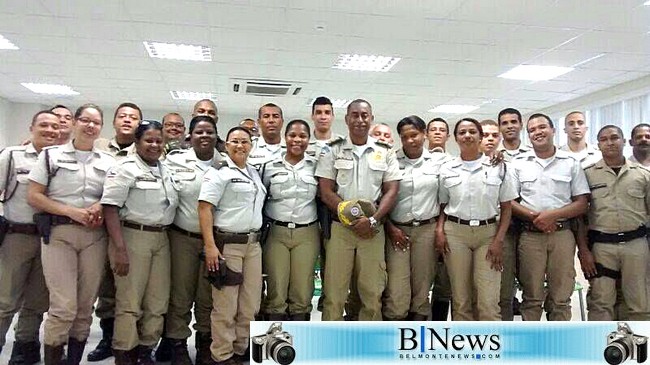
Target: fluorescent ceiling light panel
point(192, 95)
point(50, 89)
point(647, 3)
point(336, 103)
point(6, 44)
point(357, 62)
point(183, 52)
point(535, 72)
point(453, 109)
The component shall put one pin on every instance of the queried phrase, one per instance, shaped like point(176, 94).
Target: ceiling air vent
point(266, 87)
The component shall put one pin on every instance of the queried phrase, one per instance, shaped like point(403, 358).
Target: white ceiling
point(451, 50)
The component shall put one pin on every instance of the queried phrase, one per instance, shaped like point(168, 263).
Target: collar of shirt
point(626, 166)
point(417, 162)
point(458, 162)
point(590, 149)
point(261, 143)
point(145, 167)
point(31, 149)
point(191, 157)
point(530, 155)
point(69, 148)
point(521, 149)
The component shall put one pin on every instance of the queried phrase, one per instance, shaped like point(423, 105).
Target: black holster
point(223, 276)
point(324, 219)
point(265, 230)
point(4, 228)
point(44, 226)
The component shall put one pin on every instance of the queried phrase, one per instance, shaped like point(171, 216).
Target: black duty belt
point(231, 237)
point(58, 220)
point(185, 233)
point(472, 222)
point(416, 223)
point(560, 226)
point(143, 227)
point(22, 228)
point(292, 225)
point(621, 237)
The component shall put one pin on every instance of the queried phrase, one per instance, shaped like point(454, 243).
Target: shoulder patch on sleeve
point(383, 144)
point(220, 164)
point(589, 166)
point(335, 141)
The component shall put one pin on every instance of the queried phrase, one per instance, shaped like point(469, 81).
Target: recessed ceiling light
point(183, 52)
point(51, 89)
point(192, 95)
point(6, 44)
point(336, 103)
point(535, 72)
point(365, 63)
point(647, 3)
point(453, 109)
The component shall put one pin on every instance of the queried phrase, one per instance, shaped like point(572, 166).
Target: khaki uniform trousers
point(289, 256)
point(234, 307)
point(72, 263)
point(550, 256)
point(22, 286)
point(631, 259)
point(470, 272)
point(347, 253)
point(410, 273)
point(142, 296)
point(106, 297)
point(508, 276)
point(189, 287)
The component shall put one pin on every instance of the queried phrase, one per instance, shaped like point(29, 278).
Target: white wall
point(5, 106)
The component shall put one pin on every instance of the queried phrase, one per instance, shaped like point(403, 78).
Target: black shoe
point(25, 353)
point(54, 355)
point(104, 348)
point(515, 307)
point(439, 310)
point(180, 356)
point(164, 350)
point(75, 351)
point(144, 356)
point(202, 343)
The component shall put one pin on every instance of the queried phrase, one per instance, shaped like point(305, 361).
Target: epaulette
point(14, 148)
point(335, 141)
point(383, 144)
point(51, 147)
point(220, 164)
point(175, 152)
point(589, 166)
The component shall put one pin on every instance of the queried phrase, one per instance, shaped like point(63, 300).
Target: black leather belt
point(416, 223)
point(143, 227)
point(530, 227)
point(58, 220)
point(231, 237)
point(621, 237)
point(472, 222)
point(186, 233)
point(292, 225)
point(22, 228)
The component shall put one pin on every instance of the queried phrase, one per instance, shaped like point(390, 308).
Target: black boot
point(126, 357)
point(439, 310)
point(144, 356)
point(54, 355)
point(25, 353)
point(164, 350)
point(300, 317)
point(180, 356)
point(202, 343)
point(103, 350)
point(75, 351)
point(275, 317)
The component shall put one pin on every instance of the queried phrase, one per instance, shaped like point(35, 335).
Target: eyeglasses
point(174, 125)
point(87, 121)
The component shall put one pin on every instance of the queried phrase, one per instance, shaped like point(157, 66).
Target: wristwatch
point(373, 222)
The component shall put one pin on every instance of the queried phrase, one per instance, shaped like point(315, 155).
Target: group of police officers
point(388, 224)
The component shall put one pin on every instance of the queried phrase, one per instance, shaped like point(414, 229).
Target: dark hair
point(146, 125)
point(297, 121)
point(268, 105)
point(485, 122)
point(358, 101)
point(48, 112)
point(202, 118)
point(574, 112)
point(540, 115)
point(414, 121)
point(438, 120)
point(509, 111)
point(610, 126)
point(321, 100)
point(127, 105)
point(470, 120)
point(81, 109)
point(235, 129)
point(637, 127)
point(57, 106)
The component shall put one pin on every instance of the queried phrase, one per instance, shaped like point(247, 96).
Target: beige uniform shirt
point(509, 155)
point(619, 203)
point(316, 146)
point(75, 182)
point(475, 191)
point(112, 148)
point(23, 159)
point(418, 189)
point(188, 171)
point(263, 152)
point(145, 194)
point(544, 187)
point(358, 176)
point(586, 157)
point(237, 196)
point(292, 190)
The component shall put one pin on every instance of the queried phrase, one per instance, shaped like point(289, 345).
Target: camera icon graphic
point(623, 345)
point(275, 344)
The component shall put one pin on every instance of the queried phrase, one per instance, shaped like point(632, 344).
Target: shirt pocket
point(636, 197)
point(311, 185)
point(344, 169)
point(527, 183)
point(492, 186)
point(428, 182)
point(561, 186)
point(23, 177)
point(278, 184)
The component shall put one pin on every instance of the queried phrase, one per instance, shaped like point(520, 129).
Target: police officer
point(619, 209)
point(140, 200)
point(65, 123)
point(510, 125)
point(230, 216)
point(173, 133)
point(467, 232)
point(269, 145)
point(292, 247)
point(357, 168)
point(410, 232)
point(576, 128)
point(640, 142)
point(208, 108)
point(553, 190)
point(188, 286)
point(22, 285)
point(125, 121)
point(67, 183)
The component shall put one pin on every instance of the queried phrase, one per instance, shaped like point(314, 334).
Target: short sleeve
point(443, 193)
point(212, 187)
point(392, 173)
point(119, 181)
point(325, 167)
point(579, 184)
point(39, 172)
point(508, 190)
point(4, 165)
